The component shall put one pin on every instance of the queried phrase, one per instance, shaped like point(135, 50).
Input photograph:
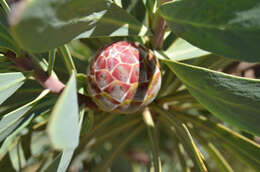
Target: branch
point(159, 31)
point(159, 27)
point(48, 82)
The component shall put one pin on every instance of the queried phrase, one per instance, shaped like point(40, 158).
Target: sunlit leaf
point(63, 128)
point(184, 136)
point(244, 148)
point(54, 164)
point(154, 141)
point(182, 50)
point(228, 28)
point(55, 22)
point(10, 121)
point(6, 40)
point(9, 83)
point(17, 156)
point(214, 153)
point(65, 160)
point(232, 99)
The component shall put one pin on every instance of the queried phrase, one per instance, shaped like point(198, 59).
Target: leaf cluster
point(202, 119)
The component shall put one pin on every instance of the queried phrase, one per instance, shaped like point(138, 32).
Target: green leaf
point(6, 164)
point(114, 130)
point(64, 50)
point(17, 156)
point(118, 149)
point(244, 148)
point(52, 56)
point(26, 141)
point(118, 3)
point(65, 160)
point(213, 152)
point(181, 155)
point(154, 141)
point(213, 62)
point(182, 50)
point(54, 164)
point(10, 121)
point(5, 6)
point(232, 99)
point(67, 154)
point(56, 22)
point(183, 134)
point(229, 28)
point(219, 159)
point(18, 131)
point(137, 9)
point(10, 82)
point(151, 6)
point(3, 17)
point(63, 127)
point(12, 138)
point(6, 40)
point(26, 93)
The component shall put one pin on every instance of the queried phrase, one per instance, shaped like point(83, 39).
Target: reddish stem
point(159, 27)
point(48, 82)
point(159, 33)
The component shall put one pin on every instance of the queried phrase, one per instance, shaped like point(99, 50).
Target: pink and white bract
point(123, 77)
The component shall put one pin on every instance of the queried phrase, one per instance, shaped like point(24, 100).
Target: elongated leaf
point(56, 22)
point(9, 83)
point(64, 50)
point(61, 162)
point(243, 147)
point(217, 156)
point(184, 136)
point(118, 3)
point(229, 28)
point(243, 157)
point(115, 130)
point(54, 164)
point(154, 141)
point(232, 99)
point(150, 6)
point(26, 93)
point(67, 154)
point(10, 121)
point(213, 62)
point(52, 56)
point(13, 136)
point(63, 127)
point(182, 50)
point(6, 40)
point(6, 164)
point(117, 149)
point(65, 160)
point(17, 156)
point(3, 16)
point(26, 141)
point(214, 153)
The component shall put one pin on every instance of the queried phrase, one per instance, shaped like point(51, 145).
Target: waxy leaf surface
point(235, 100)
point(229, 28)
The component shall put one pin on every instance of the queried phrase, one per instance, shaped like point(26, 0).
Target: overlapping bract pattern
point(123, 77)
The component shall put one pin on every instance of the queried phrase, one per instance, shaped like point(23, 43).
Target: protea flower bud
point(123, 77)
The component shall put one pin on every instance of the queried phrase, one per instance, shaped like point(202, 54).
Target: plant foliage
point(203, 119)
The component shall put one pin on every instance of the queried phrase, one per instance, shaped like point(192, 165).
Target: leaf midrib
point(203, 25)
